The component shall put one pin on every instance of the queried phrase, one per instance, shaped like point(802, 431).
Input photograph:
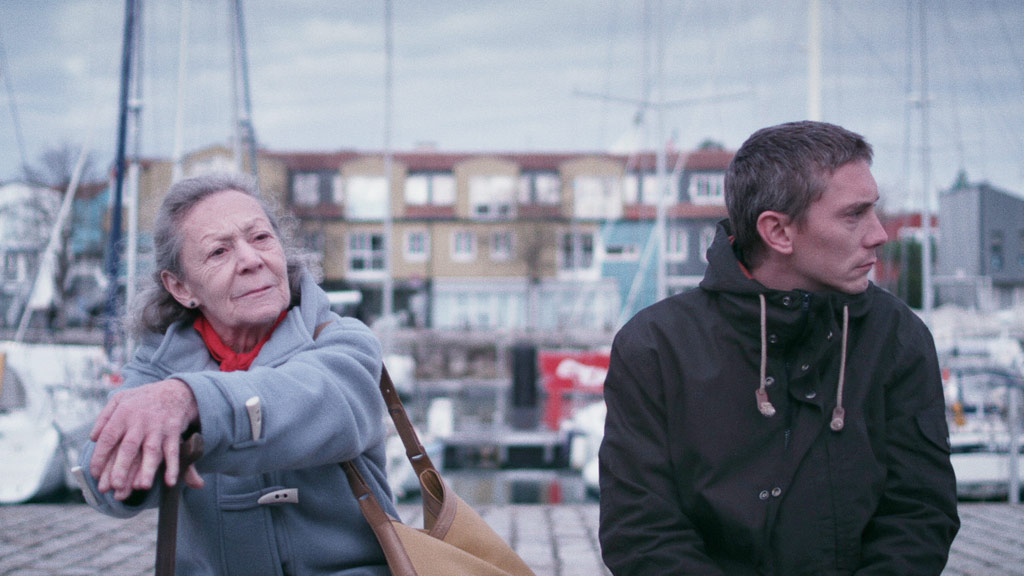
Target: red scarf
point(228, 358)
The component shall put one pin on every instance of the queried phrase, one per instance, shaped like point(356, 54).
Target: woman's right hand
point(137, 430)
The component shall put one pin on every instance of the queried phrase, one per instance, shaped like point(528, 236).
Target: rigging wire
point(5, 72)
point(907, 109)
point(1018, 64)
point(953, 54)
point(609, 55)
point(985, 89)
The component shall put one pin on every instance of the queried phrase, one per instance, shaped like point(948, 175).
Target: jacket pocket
point(932, 423)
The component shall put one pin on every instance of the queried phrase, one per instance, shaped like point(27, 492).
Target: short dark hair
point(784, 168)
point(157, 309)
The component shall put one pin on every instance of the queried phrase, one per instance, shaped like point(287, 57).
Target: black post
point(525, 412)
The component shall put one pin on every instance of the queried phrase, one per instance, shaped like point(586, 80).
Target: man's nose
point(877, 235)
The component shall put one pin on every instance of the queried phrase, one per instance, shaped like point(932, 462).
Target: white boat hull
point(984, 475)
point(50, 394)
point(33, 464)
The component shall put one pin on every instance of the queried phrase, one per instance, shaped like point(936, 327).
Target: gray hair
point(156, 308)
point(784, 168)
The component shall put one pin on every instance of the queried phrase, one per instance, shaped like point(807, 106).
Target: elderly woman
point(239, 343)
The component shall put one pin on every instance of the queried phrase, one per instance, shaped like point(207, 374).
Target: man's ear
point(775, 231)
point(177, 288)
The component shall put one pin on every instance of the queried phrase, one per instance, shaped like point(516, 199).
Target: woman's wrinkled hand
point(139, 429)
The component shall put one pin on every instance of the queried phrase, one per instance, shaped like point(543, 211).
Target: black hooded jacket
point(696, 480)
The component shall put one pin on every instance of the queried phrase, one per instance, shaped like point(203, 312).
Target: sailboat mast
point(179, 113)
point(927, 298)
point(110, 331)
point(387, 287)
point(660, 216)
point(814, 61)
point(245, 137)
point(134, 127)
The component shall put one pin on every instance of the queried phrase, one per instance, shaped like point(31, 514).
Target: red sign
point(566, 373)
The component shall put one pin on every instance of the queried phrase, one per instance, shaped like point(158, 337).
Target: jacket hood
point(725, 272)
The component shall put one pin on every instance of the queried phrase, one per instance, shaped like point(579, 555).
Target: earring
point(191, 303)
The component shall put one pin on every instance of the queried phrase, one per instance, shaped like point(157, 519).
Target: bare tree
point(56, 166)
point(55, 169)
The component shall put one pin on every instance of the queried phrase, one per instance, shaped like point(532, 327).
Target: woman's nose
point(248, 257)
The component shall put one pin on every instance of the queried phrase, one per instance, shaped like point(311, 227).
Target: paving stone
point(555, 540)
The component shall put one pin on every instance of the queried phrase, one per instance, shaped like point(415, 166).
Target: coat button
point(776, 492)
point(768, 381)
point(787, 301)
point(763, 495)
point(772, 338)
point(810, 394)
point(829, 336)
point(805, 367)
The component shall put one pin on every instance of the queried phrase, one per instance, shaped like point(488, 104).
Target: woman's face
point(234, 268)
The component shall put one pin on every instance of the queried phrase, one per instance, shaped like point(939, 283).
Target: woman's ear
point(775, 231)
point(178, 289)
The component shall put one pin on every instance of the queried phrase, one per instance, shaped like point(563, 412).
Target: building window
point(630, 189)
point(621, 252)
point(337, 190)
point(11, 267)
point(576, 252)
point(306, 189)
point(597, 197)
point(430, 190)
point(677, 244)
point(365, 252)
point(366, 197)
point(316, 188)
point(464, 246)
point(501, 245)
point(417, 245)
point(540, 188)
point(649, 193)
point(479, 307)
point(491, 197)
point(1020, 248)
point(707, 189)
point(707, 236)
point(996, 251)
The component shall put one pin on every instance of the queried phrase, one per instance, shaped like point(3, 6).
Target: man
point(788, 416)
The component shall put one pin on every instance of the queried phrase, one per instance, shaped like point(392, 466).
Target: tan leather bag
point(454, 540)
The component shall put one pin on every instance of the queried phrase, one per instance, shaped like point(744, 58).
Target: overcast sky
point(496, 75)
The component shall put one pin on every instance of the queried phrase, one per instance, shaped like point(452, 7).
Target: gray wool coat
point(320, 406)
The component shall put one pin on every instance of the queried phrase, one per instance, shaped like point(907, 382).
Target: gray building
point(980, 260)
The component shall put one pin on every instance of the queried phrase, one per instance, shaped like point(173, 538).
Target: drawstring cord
point(764, 405)
point(839, 414)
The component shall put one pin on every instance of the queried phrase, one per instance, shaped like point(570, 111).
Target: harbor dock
point(556, 540)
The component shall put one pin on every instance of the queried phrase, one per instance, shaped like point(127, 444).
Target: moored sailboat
point(49, 395)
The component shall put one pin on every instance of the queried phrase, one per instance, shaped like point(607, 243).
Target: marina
point(494, 281)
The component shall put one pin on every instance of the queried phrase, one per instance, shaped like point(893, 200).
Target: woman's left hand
point(136, 431)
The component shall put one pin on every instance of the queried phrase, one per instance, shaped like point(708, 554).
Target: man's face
point(834, 244)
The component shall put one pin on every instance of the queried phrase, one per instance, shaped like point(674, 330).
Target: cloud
point(496, 75)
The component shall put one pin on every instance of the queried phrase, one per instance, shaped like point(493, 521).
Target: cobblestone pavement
point(72, 540)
